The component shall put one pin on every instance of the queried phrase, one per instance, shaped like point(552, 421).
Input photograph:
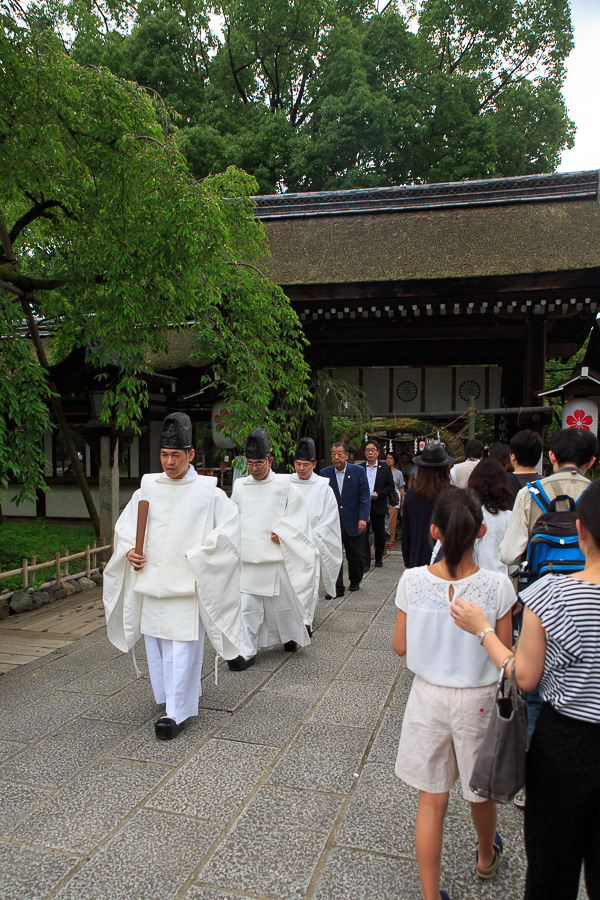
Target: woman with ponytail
point(454, 686)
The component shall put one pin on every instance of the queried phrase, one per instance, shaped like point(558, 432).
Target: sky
point(581, 88)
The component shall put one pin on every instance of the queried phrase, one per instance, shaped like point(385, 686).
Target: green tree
point(109, 241)
point(319, 94)
point(24, 414)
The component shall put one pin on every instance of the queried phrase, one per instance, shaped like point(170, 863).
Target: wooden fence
point(91, 562)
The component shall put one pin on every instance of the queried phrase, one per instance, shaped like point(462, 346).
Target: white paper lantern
point(219, 439)
point(582, 413)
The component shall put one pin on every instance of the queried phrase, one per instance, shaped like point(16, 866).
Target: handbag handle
point(502, 678)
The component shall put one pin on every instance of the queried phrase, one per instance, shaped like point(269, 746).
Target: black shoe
point(290, 646)
point(355, 587)
point(340, 593)
point(329, 597)
point(166, 728)
point(240, 663)
point(308, 630)
point(378, 564)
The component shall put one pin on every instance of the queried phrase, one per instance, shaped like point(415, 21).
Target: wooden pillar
point(327, 436)
point(145, 461)
point(513, 375)
point(535, 361)
point(108, 482)
point(40, 504)
point(535, 365)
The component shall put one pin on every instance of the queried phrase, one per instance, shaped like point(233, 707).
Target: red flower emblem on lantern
point(221, 422)
point(579, 419)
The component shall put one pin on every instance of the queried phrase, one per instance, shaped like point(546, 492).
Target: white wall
point(62, 502)
point(406, 388)
point(11, 509)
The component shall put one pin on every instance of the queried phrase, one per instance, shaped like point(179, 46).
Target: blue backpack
point(553, 547)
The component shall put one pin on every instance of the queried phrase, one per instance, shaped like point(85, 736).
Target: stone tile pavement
point(283, 787)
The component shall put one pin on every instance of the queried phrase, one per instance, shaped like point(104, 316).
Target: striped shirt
point(569, 610)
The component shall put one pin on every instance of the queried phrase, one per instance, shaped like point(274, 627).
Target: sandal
point(519, 798)
point(498, 849)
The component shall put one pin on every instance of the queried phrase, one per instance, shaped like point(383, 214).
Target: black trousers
point(353, 545)
point(562, 809)
point(377, 526)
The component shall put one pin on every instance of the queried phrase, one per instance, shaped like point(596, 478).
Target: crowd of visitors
point(480, 532)
point(454, 686)
point(245, 571)
point(559, 650)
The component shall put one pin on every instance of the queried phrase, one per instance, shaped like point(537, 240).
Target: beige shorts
point(442, 731)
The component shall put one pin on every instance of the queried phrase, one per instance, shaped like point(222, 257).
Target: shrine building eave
point(470, 270)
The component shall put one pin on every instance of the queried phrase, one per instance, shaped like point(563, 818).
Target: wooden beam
point(560, 351)
point(540, 285)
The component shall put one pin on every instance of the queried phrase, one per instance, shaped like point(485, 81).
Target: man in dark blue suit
point(351, 489)
point(381, 485)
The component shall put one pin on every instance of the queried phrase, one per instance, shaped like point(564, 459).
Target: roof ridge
point(515, 189)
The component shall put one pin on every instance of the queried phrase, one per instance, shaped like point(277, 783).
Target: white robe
point(325, 521)
point(191, 578)
point(277, 580)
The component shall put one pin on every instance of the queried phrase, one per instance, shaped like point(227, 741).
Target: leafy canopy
point(322, 94)
point(111, 243)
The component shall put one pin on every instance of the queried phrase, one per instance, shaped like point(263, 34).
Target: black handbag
point(394, 498)
point(499, 770)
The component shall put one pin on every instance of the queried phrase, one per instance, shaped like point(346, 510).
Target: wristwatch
point(482, 634)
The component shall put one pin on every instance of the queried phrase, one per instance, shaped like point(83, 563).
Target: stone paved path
point(282, 788)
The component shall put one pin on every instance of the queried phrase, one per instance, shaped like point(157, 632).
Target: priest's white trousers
point(175, 669)
point(271, 620)
point(308, 618)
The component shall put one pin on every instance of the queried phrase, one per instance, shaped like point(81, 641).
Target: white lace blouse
point(437, 649)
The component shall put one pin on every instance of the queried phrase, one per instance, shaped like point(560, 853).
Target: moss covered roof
point(435, 243)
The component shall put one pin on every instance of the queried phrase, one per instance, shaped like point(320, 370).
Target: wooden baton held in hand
point(141, 526)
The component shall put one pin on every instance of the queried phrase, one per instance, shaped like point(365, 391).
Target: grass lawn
point(42, 539)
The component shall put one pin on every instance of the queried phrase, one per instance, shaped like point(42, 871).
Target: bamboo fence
point(90, 554)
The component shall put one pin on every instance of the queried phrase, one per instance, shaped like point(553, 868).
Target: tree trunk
point(10, 257)
point(108, 479)
point(62, 419)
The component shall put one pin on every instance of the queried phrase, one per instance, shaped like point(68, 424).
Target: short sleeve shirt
point(569, 610)
point(437, 649)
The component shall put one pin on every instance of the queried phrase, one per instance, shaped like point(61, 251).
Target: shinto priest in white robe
point(325, 522)
point(277, 580)
point(189, 585)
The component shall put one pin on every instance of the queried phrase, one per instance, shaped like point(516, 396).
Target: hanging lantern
point(581, 413)
point(218, 421)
